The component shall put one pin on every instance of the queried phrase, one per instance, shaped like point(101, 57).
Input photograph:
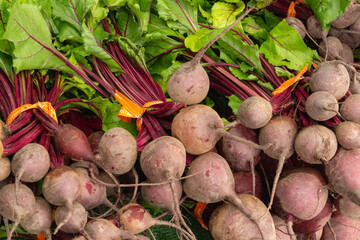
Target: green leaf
point(259, 4)
point(141, 8)
point(75, 84)
point(128, 26)
point(266, 85)
point(234, 103)
point(255, 27)
point(239, 51)
point(109, 111)
point(6, 65)
point(68, 32)
point(28, 30)
point(327, 11)
point(202, 36)
point(224, 14)
point(208, 102)
point(285, 47)
point(93, 46)
point(179, 14)
point(72, 11)
point(283, 73)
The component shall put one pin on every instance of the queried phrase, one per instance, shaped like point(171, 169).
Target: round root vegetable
point(61, 188)
point(117, 150)
point(321, 106)
point(1, 149)
point(316, 223)
point(347, 54)
point(347, 208)
point(227, 222)
point(240, 156)
point(315, 29)
point(331, 77)
point(102, 229)
point(342, 228)
point(72, 142)
point(351, 14)
point(280, 228)
point(212, 181)
point(255, 112)
point(110, 191)
point(16, 206)
point(39, 221)
point(331, 46)
point(30, 163)
point(344, 36)
point(5, 168)
point(342, 172)
point(315, 144)
point(348, 134)
point(94, 140)
point(77, 221)
point(297, 25)
point(163, 159)
point(136, 219)
point(249, 183)
point(199, 128)
point(350, 108)
point(310, 236)
point(280, 135)
point(302, 193)
point(91, 193)
point(190, 83)
point(4, 131)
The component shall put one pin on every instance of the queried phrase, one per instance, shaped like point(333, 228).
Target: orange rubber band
point(41, 236)
point(291, 81)
point(199, 209)
point(291, 11)
point(130, 110)
point(46, 106)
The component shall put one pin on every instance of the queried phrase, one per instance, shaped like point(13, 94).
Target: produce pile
point(180, 119)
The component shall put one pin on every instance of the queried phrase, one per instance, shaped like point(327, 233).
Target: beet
point(280, 228)
point(227, 222)
point(315, 29)
point(331, 77)
point(240, 156)
point(351, 14)
point(117, 150)
point(72, 142)
point(321, 106)
point(347, 208)
point(315, 144)
point(163, 159)
point(40, 220)
point(350, 108)
point(61, 188)
point(297, 25)
point(348, 134)
point(136, 219)
point(342, 227)
point(16, 205)
point(302, 193)
point(190, 83)
point(316, 223)
point(347, 54)
point(279, 134)
point(94, 140)
point(77, 221)
point(244, 183)
point(5, 168)
point(332, 47)
point(255, 112)
point(212, 181)
point(342, 172)
point(102, 229)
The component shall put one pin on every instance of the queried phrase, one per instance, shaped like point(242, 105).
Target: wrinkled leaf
point(29, 32)
point(202, 36)
point(259, 4)
point(6, 65)
point(224, 14)
point(327, 11)
point(179, 14)
point(285, 47)
point(128, 25)
point(283, 73)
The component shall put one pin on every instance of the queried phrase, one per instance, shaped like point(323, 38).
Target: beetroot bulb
point(210, 180)
point(39, 221)
point(136, 219)
point(244, 183)
point(102, 229)
point(199, 128)
point(190, 83)
point(280, 135)
point(5, 168)
point(77, 221)
point(346, 207)
point(61, 188)
point(341, 227)
point(16, 205)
